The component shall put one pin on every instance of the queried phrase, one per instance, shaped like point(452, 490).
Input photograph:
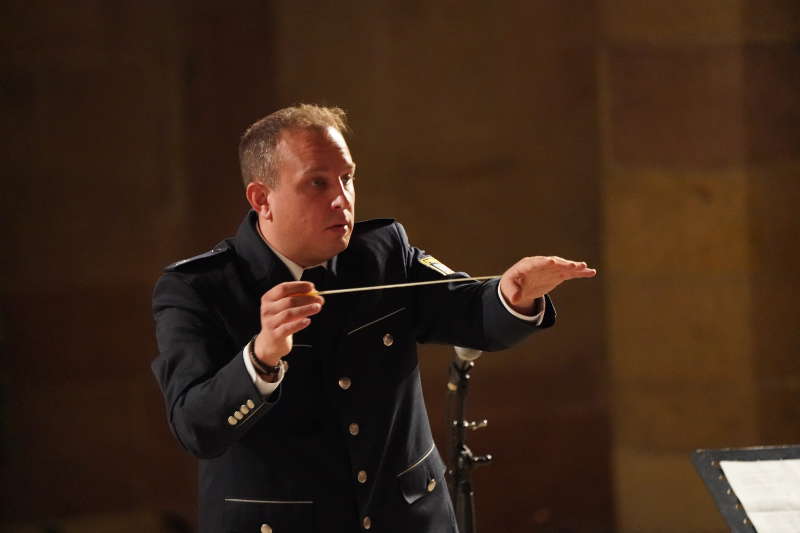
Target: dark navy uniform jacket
point(344, 443)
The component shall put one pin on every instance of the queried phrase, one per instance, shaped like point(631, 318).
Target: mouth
point(339, 228)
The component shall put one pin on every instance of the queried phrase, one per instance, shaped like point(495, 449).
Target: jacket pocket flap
point(246, 515)
point(422, 477)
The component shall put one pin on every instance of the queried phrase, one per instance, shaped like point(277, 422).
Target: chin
point(343, 245)
point(333, 249)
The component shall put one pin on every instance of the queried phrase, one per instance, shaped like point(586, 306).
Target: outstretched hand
point(533, 277)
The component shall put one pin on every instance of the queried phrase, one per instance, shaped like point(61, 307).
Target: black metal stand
point(461, 460)
point(707, 463)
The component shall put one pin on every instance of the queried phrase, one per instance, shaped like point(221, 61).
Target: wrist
point(268, 372)
point(258, 356)
point(523, 309)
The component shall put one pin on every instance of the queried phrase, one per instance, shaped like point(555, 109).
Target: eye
point(318, 182)
point(348, 178)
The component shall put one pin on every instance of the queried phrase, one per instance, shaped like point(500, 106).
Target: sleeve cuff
point(264, 387)
point(538, 306)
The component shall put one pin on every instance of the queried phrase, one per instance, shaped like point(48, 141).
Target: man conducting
point(307, 413)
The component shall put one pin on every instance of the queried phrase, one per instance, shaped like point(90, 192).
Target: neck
point(262, 232)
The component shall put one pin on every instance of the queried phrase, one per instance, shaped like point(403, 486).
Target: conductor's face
point(312, 207)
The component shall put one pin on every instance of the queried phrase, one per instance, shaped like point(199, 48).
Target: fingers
point(285, 310)
point(284, 307)
point(572, 269)
point(289, 288)
point(290, 328)
point(289, 295)
point(567, 264)
point(291, 314)
point(553, 264)
point(289, 302)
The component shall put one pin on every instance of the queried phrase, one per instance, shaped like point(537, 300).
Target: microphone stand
point(461, 459)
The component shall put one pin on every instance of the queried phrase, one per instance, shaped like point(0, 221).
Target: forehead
point(309, 147)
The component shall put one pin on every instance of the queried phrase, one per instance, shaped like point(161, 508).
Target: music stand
point(707, 463)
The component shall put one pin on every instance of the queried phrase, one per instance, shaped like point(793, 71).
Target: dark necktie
point(316, 276)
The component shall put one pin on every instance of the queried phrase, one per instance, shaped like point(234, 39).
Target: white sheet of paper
point(769, 492)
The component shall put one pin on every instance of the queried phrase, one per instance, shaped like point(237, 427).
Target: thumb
point(511, 287)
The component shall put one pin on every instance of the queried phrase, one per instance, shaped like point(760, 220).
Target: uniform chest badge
point(434, 264)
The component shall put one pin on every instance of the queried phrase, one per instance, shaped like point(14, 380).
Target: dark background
point(659, 141)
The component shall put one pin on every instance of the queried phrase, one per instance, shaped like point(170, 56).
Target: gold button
point(244, 409)
point(265, 528)
point(250, 404)
point(232, 421)
point(362, 476)
point(431, 485)
point(366, 522)
point(344, 383)
point(388, 340)
point(238, 415)
point(353, 428)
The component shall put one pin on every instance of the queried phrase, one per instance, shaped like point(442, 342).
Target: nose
point(343, 198)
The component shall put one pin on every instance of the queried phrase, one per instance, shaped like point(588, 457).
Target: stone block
point(776, 337)
point(771, 74)
point(670, 224)
point(665, 22)
point(779, 410)
point(662, 493)
point(773, 197)
point(88, 436)
point(87, 330)
point(675, 107)
point(773, 200)
point(683, 330)
point(671, 415)
point(771, 20)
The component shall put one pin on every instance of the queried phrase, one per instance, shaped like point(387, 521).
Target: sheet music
point(769, 492)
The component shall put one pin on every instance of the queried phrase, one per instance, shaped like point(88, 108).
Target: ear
point(257, 195)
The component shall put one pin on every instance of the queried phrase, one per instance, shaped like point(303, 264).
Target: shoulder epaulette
point(218, 250)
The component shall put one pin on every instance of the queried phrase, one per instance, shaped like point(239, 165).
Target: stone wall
point(658, 141)
point(700, 150)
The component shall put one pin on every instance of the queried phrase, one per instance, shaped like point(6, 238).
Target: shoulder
point(186, 283)
point(373, 226)
point(379, 233)
point(221, 253)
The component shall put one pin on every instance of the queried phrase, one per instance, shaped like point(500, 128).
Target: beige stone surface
point(690, 332)
point(137, 521)
point(657, 140)
point(662, 493)
point(667, 22)
point(772, 108)
point(474, 125)
point(673, 106)
point(773, 199)
point(685, 225)
point(778, 408)
point(663, 415)
point(95, 127)
point(94, 442)
point(771, 20)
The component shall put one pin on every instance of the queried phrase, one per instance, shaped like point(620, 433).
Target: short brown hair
point(257, 156)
